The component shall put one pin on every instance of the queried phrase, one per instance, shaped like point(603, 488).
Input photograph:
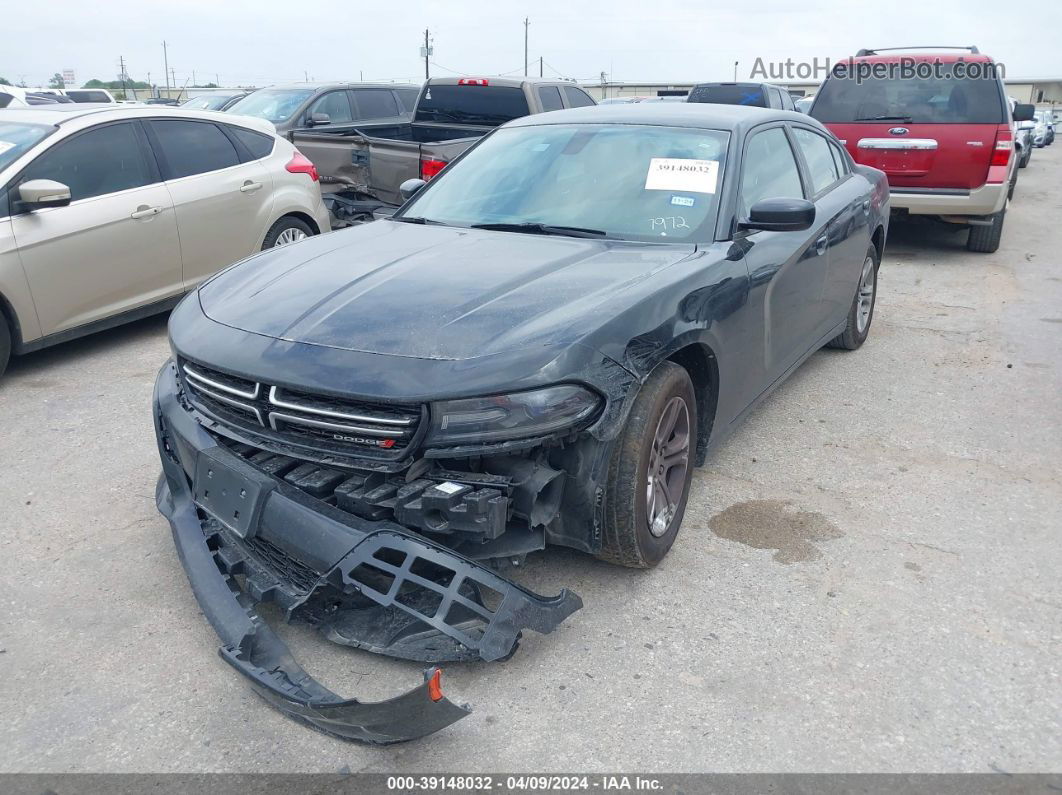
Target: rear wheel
point(650, 471)
point(287, 230)
point(985, 239)
point(857, 327)
point(5, 344)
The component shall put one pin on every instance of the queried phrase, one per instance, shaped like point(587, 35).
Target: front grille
point(319, 422)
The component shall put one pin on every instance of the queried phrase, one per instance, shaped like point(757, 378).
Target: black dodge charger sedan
point(536, 349)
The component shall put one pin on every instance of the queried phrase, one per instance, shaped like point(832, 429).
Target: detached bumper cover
point(417, 613)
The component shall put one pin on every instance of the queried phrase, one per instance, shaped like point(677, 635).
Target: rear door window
point(550, 98)
point(470, 104)
point(943, 99)
point(192, 147)
point(375, 103)
point(93, 163)
point(577, 98)
point(818, 154)
point(335, 104)
point(258, 144)
point(729, 94)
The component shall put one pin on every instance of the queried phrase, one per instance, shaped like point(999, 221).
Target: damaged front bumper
point(245, 537)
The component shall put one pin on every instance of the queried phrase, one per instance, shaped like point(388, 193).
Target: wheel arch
point(878, 239)
point(9, 317)
point(306, 218)
point(699, 360)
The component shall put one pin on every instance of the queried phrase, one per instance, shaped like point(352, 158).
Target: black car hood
point(434, 292)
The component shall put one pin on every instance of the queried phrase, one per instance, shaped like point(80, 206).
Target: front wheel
point(650, 471)
point(285, 231)
point(857, 325)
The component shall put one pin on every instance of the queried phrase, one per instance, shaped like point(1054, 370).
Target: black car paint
point(407, 313)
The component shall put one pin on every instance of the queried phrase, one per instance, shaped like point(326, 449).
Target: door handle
point(250, 187)
point(820, 244)
point(143, 211)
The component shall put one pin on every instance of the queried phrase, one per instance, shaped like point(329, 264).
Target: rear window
point(471, 104)
point(89, 96)
point(732, 94)
point(408, 98)
point(941, 98)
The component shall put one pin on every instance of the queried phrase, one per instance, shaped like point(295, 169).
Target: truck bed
point(372, 161)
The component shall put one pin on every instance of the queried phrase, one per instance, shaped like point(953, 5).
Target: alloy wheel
point(668, 464)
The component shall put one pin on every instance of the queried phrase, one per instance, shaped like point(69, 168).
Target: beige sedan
point(108, 214)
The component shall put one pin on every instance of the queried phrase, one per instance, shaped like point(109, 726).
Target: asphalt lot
point(867, 578)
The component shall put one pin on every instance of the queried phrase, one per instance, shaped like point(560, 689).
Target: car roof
point(57, 115)
point(734, 118)
point(743, 84)
point(323, 86)
point(510, 82)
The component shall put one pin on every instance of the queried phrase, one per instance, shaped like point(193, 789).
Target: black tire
point(985, 239)
point(1026, 156)
point(853, 336)
point(627, 538)
point(5, 344)
point(1013, 185)
point(282, 226)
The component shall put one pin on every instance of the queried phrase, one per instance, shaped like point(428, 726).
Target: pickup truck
point(367, 163)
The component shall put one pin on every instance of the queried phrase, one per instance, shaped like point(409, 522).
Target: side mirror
point(318, 118)
point(410, 188)
point(1024, 112)
point(37, 194)
point(780, 215)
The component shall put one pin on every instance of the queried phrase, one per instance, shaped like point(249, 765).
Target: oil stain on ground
point(778, 525)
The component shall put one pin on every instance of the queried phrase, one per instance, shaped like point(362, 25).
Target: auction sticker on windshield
point(682, 174)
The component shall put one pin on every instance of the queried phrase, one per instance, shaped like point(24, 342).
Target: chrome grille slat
point(229, 401)
point(275, 400)
point(200, 378)
point(275, 416)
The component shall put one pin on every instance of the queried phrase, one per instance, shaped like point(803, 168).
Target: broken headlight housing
point(498, 418)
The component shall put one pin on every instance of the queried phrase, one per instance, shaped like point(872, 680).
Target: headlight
point(501, 417)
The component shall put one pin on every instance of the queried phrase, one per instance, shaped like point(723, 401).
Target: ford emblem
point(899, 131)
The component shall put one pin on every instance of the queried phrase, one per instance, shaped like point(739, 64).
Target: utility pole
point(735, 71)
point(603, 94)
point(527, 22)
point(305, 76)
point(540, 66)
point(427, 53)
point(121, 74)
point(166, 62)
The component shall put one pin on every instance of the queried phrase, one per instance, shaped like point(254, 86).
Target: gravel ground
point(867, 578)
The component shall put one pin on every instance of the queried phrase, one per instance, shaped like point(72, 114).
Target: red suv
point(938, 124)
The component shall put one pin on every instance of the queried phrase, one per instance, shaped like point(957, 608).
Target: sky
point(271, 41)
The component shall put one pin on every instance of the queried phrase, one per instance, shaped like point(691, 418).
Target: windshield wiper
point(415, 219)
point(543, 229)
point(884, 118)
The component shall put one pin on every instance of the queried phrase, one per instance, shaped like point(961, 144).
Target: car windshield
point(207, 102)
point(17, 138)
point(274, 104)
point(944, 99)
point(634, 182)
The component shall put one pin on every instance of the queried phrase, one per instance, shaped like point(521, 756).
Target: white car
point(108, 214)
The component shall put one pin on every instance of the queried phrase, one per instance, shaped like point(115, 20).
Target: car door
point(787, 269)
point(114, 248)
point(222, 205)
point(841, 200)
